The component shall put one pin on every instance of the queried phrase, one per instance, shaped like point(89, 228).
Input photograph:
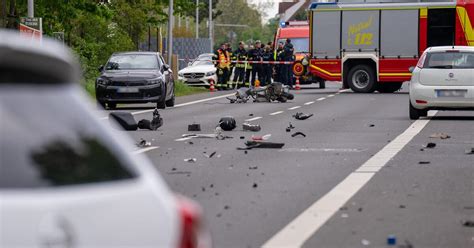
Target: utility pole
point(170, 32)
point(31, 8)
point(211, 36)
point(197, 19)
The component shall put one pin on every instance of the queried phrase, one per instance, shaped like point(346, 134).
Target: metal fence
point(186, 48)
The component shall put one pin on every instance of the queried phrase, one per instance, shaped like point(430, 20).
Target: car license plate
point(451, 93)
point(127, 90)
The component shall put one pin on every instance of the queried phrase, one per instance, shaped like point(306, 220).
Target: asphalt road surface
point(362, 172)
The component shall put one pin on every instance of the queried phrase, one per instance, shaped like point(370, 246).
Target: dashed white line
point(295, 107)
point(330, 96)
point(276, 113)
point(254, 119)
point(145, 149)
point(320, 99)
point(298, 231)
point(309, 103)
point(177, 105)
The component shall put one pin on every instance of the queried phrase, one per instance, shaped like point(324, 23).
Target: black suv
point(135, 77)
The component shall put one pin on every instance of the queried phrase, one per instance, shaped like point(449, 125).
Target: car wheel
point(415, 113)
point(170, 102)
point(361, 79)
point(111, 105)
point(389, 87)
point(101, 104)
point(322, 84)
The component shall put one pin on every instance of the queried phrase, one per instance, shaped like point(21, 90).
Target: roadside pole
point(170, 33)
point(211, 36)
point(31, 8)
point(197, 19)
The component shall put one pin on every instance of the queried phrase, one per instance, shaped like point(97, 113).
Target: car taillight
point(193, 232)
point(421, 61)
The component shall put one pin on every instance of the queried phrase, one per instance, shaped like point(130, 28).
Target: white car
point(199, 72)
point(67, 179)
point(443, 79)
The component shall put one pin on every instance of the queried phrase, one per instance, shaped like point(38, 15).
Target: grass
point(180, 88)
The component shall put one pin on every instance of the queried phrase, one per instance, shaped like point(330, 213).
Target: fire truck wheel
point(361, 79)
point(322, 84)
point(389, 87)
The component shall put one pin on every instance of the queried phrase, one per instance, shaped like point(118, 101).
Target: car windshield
point(202, 61)
point(48, 140)
point(132, 62)
point(450, 60)
point(301, 45)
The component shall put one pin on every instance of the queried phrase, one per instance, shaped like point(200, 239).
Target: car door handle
point(55, 231)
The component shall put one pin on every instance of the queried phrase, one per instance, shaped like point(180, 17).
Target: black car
point(135, 77)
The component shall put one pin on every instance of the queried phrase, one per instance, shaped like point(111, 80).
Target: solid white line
point(309, 103)
point(254, 119)
point(295, 107)
point(276, 113)
point(330, 96)
point(320, 99)
point(145, 149)
point(308, 222)
point(178, 105)
point(346, 90)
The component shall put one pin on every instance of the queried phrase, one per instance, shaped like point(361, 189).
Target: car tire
point(170, 102)
point(389, 87)
point(322, 84)
point(111, 105)
point(101, 104)
point(415, 113)
point(361, 79)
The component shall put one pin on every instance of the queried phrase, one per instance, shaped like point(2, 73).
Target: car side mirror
point(166, 67)
point(101, 68)
point(411, 69)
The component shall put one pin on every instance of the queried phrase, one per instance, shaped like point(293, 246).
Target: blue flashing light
point(282, 24)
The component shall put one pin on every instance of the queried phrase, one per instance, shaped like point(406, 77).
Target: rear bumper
point(140, 94)
point(433, 102)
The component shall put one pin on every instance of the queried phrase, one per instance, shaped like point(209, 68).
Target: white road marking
point(276, 113)
point(309, 103)
point(345, 90)
point(145, 149)
point(254, 119)
point(295, 107)
point(330, 96)
point(321, 150)
point(178, 105)
point(308, 222)
point(320, 99)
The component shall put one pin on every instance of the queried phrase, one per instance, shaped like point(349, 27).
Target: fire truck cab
point(298, 33)
point(370, 46)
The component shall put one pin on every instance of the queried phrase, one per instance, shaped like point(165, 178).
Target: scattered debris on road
point(249, 127)
point(143, 143)
point(402, 206)
point(470, 151)
point(125, 120)
point(301, 116)
point(242, 137)
point(190, 160)
point(468, 223)
point(259, 138)
point(250, 115)
point(194, 127)
point(391, 240)
point(371, 125)
point(298, 133)
point(440, 136)
point(209, 155)
point(154, 124)
point(261, 144)
point(273, 92)
point(253, 168)
point(365, 242)
point(424, 162)
point(254, 185)
point(430, 145)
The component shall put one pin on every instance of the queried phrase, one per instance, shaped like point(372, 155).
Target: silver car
point(443, 79)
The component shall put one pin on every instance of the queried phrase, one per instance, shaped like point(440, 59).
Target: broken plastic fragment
point(190, 160)
point(430, 145)
point(301, 116)
point(250, 127)
point(298, 133)
point(440, 136)
point(143, 143)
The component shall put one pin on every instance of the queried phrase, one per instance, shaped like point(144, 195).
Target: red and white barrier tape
point(251, 62)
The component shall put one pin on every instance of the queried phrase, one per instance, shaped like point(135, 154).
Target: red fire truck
point(298, 33)
point(371, 46)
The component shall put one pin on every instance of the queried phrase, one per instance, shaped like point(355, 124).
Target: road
point(360, 174)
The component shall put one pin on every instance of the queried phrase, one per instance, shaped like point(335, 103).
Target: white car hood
point(198, 68)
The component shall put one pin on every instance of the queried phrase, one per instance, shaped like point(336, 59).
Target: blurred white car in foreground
point(443, 79)
point(199, 72)
point(66, 179)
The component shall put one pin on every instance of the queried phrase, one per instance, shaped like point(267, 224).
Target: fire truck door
point(441, 27)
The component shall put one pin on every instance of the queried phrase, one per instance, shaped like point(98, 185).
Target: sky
point(274, 9)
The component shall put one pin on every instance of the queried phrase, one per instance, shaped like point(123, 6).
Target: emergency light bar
point(293, 23)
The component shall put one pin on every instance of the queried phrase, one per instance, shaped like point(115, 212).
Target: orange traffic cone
point(211, 86)
point(257, 83)
point(297, 84)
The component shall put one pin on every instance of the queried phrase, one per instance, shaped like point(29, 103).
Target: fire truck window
point(441, 27)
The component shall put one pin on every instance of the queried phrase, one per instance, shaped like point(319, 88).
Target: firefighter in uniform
point(287, 72)
point(277, 56)
point(222, 63)
point(255, 55)
point(267, 69)
point(230, 84)
point(240, 54)
point(248, 69)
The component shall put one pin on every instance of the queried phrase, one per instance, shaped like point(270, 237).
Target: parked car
point(199, 72)
point(135, 77)
point(67, 179)
point(443, 79)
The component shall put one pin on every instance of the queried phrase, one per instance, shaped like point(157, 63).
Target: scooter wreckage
point(274, 92)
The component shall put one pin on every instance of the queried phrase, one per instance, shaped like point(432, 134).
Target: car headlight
point(102, 81)
point(155, 81)
point(305, 61)
point(180, 74)
point(211, 73)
